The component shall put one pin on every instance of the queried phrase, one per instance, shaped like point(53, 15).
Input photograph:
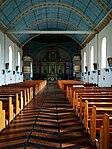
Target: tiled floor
point(48, 122)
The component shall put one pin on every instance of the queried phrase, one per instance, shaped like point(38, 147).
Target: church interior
point(56, 74)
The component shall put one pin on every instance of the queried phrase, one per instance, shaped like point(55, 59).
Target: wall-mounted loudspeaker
point(109, 61)
point(7, 66)
point(95, 66)
point(17, 68)
point(86, 68)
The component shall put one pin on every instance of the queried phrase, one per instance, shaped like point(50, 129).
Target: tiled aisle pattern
point(48, 122)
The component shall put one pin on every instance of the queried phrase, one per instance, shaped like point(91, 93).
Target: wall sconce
point(7, 66)
point(17, 68)
point(99, 72)
point(104, 78)
point(95, 66)
point(106, 69)
point(13, 72)
point(109, 59)
point(88, 72)
point(3, 71)
point(94, 71)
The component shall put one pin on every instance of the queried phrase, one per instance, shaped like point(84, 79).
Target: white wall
point(9, 77)
point(2, 61)
point(105, 77)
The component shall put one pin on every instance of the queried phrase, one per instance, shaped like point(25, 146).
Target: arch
point(103, 52)
point(62, 51)
point(39, 35)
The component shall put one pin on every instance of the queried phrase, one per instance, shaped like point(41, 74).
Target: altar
point(52, 67)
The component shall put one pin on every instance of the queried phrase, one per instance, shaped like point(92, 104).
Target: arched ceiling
point(22, 20)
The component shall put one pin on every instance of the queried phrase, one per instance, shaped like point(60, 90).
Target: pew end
point(2, 117)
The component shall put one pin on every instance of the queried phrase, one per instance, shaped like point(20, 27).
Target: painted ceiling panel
point(79, 38)
point(90, 15)
point(39, 12)
point(108, 3)
point(83, 26)
point(63, 15)
point(100, 17)
point(52, 26)
point(67, 2)
point(79, 5)
point(23, 4)
point(43, 26)
point(2, 16)
point(13, 15)
point(5, 21)
point(95, 8)
point(21, 15)
point(21, 24)
point(29, 17)
point(62, 26)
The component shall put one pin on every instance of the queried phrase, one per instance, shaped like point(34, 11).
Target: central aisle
point(48, 122)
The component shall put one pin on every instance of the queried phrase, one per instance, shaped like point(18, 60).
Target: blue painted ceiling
point(54, 15)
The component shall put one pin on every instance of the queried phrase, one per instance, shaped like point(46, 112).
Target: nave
point(47, 122)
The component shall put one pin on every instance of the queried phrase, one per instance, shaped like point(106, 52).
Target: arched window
point(19, 61)
point(10, 58)
point(84, 61)
point(103, 53)
point(92, 58)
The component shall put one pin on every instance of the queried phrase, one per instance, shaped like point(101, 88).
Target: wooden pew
point(36, 85)
point(15, 101)
point(78, 98)
point(87, 93)
point(77, 92)
point(105, 140)
point(2, 117)
point(7, 105)
point(14, 97)
point(25, 92)
point(88, 109)
point(63, 83)
point(76, 95)
point(95, 99)
point(96, 120)
point(70, 91)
